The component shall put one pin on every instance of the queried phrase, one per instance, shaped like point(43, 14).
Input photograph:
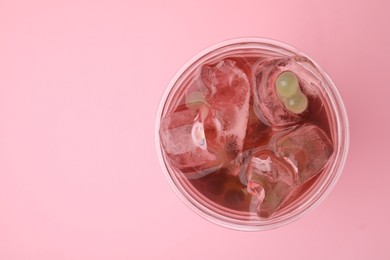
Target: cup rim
point(326, 185)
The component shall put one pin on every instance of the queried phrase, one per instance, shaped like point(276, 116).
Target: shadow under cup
point(209, 194)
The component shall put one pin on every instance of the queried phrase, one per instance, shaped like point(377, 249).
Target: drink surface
point(240, 139)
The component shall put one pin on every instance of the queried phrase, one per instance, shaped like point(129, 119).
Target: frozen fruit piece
point(271, 181)
point(195, 99)
point(296, 103)
point(307, 149)
point(289, 91)
point(287, 84)
point(183, 139)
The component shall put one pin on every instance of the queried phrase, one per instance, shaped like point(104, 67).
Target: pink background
point(80, 82)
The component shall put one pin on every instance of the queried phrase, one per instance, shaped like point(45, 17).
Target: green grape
point(287, 84)
point(194, 99)
point(296, 103)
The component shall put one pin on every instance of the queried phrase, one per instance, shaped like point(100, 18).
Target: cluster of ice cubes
point(208, 132)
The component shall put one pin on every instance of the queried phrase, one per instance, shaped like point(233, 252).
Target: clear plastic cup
point(312, 195)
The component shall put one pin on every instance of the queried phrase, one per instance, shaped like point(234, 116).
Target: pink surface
point(80, 82)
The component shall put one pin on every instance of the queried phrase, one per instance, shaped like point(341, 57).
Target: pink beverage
point(252, 134)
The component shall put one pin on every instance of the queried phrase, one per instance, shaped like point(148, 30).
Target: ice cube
point(307, 149)
point(265, 97)
point(184, 142)
point(271, 181)
point(272, 106)
point(227, 83)
point(228, 101)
